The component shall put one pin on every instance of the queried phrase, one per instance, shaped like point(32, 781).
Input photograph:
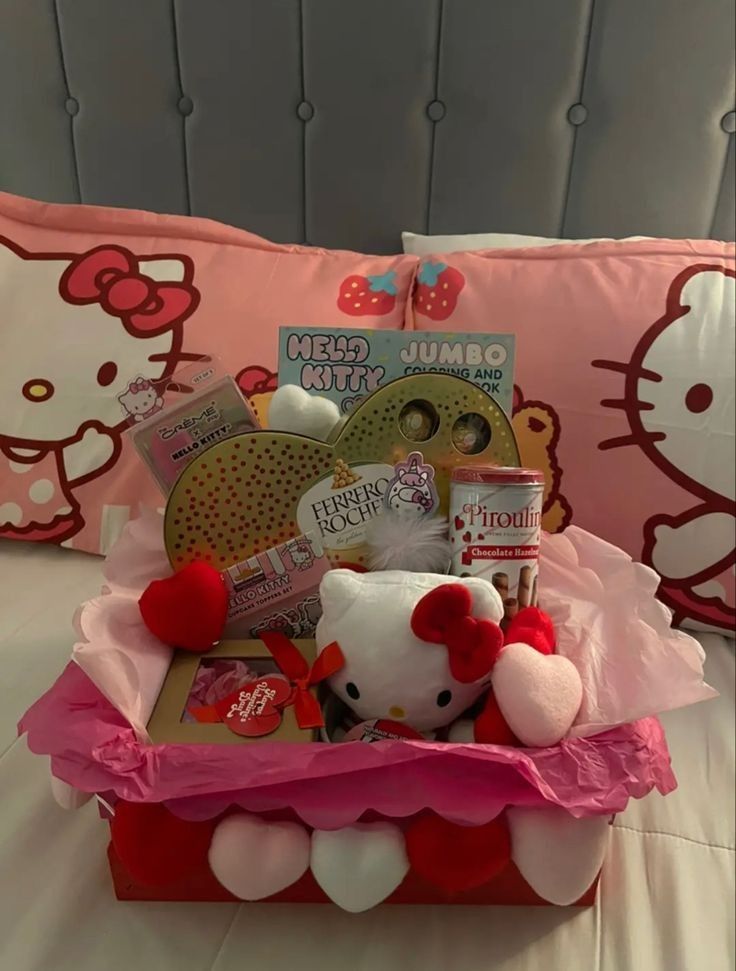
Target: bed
point(354, 121)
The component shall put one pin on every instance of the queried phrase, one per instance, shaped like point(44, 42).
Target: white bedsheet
point(666, 901)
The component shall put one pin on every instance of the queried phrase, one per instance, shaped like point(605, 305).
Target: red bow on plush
point(109, 275)
point(294, 666)
point(443, 616)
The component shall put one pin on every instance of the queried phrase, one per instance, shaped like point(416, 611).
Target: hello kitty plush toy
point(421, 648)
point(407, 658)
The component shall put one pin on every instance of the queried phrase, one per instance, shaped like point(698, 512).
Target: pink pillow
point(625, 393)
point(93, 298)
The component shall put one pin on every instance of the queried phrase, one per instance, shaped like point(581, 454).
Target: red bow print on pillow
point(109, 275)
point(443, 616)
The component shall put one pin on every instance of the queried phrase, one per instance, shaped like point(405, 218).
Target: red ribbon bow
point(295, 667)
point(443, 616)
point(109, 275)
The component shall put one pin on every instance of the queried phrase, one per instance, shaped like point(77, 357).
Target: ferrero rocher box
point(397, 448)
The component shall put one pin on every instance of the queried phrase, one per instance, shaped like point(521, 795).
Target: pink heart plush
point(539, 694)
point(558, 856)
point(254, 859)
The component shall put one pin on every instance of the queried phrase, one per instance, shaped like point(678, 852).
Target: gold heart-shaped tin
point(251, 492)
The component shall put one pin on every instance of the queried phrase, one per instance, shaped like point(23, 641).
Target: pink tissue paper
point(633, 665)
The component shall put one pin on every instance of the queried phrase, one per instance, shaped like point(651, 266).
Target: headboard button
point(305, 111)
point(186, 105)
point(728, 122)
point(72, 106)
point(436, 110)
point(577, 114)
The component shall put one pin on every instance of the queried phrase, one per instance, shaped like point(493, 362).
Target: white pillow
point(418, 245)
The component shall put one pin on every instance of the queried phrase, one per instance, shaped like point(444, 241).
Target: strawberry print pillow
point(101, 306)
point(368, 296)
point(625, 394)
point(437, 290)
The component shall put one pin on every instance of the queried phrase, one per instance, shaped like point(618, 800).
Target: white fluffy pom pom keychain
point(418, 544)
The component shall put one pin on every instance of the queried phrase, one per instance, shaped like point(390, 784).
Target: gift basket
point(348, 665)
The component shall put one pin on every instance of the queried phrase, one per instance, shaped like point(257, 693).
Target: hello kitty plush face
point(71, 348)
point(413, 653)
point(301, 555)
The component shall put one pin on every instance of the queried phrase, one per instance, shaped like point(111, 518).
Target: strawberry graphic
point(373, 296)
point(255, 379)
point(438, 287)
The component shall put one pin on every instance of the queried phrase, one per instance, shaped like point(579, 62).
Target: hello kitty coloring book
point(347, 365)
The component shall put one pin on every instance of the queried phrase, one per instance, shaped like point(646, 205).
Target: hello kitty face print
point(79, 331)
point(412, 490)
point(141, 399)
point(301, 554)
point(679, 400)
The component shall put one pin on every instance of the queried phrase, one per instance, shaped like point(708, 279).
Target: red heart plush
point(253, 710)
point(155, 846)
point(490, 726)
point(456, 858)
point(533, 627)
point(188, 609)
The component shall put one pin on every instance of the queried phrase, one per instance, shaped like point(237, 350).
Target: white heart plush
point(539, 694)
point(557, 854)
point(462, 731)
point(360, 865)
point(253, 858)
point(67, 796)
point(292, 409)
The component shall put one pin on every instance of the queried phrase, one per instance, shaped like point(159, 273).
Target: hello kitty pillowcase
point(100, 306)
point(624, 394)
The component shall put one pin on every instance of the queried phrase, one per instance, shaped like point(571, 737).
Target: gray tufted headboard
point(342, 122)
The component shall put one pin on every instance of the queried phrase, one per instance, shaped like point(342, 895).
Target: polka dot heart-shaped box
point(253, 491)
